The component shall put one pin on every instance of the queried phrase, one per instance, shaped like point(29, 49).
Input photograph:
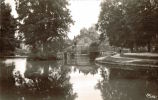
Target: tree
point(110, 22)
point(149, 22)
point(43, 21)
point(129, 23)
point(83, 31)
point(7, 30)
point(93, 50)
point(91, 32)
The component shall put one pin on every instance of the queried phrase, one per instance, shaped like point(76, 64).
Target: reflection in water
point(79, 61)
point(41, 81)
point(129, 84)
point(84, 85)
point(76, 80)
point(7, 81)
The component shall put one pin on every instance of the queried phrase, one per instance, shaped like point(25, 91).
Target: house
point(82, 45)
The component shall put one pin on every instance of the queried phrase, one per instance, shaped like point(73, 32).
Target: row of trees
point(129, 23)
point(7, 30)
point(41, 24)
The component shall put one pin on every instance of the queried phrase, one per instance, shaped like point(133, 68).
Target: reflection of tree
point(44, 81)
point(88, 69)
point(83, 64)
point(7, 87)
point(129, 89)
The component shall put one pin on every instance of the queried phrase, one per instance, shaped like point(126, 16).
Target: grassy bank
point(141, 55)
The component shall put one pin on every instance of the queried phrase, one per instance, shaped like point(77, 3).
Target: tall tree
point(43, 21)
point(7, 30)
point(149, 20)
point(129, 23)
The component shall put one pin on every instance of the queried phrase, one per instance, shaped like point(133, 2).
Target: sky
point(84, 13)
point(12, 3)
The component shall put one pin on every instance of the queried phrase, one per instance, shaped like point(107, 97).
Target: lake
point(75, 79)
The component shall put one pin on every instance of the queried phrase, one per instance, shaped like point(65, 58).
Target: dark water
point(77, 79)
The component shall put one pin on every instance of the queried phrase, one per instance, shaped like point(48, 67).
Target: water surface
point(75, 79)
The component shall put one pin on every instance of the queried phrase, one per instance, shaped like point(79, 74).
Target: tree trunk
point(156, 49)
point(44, 50)
point(149, 47)
point(136, 49)
point(131, 49)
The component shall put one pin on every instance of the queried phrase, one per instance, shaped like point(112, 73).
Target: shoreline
point(31, 58)
point(119, 60)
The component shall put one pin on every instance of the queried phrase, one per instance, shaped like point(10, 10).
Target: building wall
point(83, 44)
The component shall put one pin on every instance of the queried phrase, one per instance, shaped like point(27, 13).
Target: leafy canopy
point(7, 29)
point(43, 21)
point(129, 23)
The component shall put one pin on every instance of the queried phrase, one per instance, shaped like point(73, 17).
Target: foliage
point(83, 41)
point(43, 22)
point(7, 30)
point(93, 50)
point(93, 46)
point(51, 84)
point(129, 23)
point(7, 81)
point(90, 32)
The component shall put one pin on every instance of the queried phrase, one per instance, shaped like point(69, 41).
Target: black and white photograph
point(78, 49)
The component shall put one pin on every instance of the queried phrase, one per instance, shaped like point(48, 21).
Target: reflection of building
point(80, 60)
